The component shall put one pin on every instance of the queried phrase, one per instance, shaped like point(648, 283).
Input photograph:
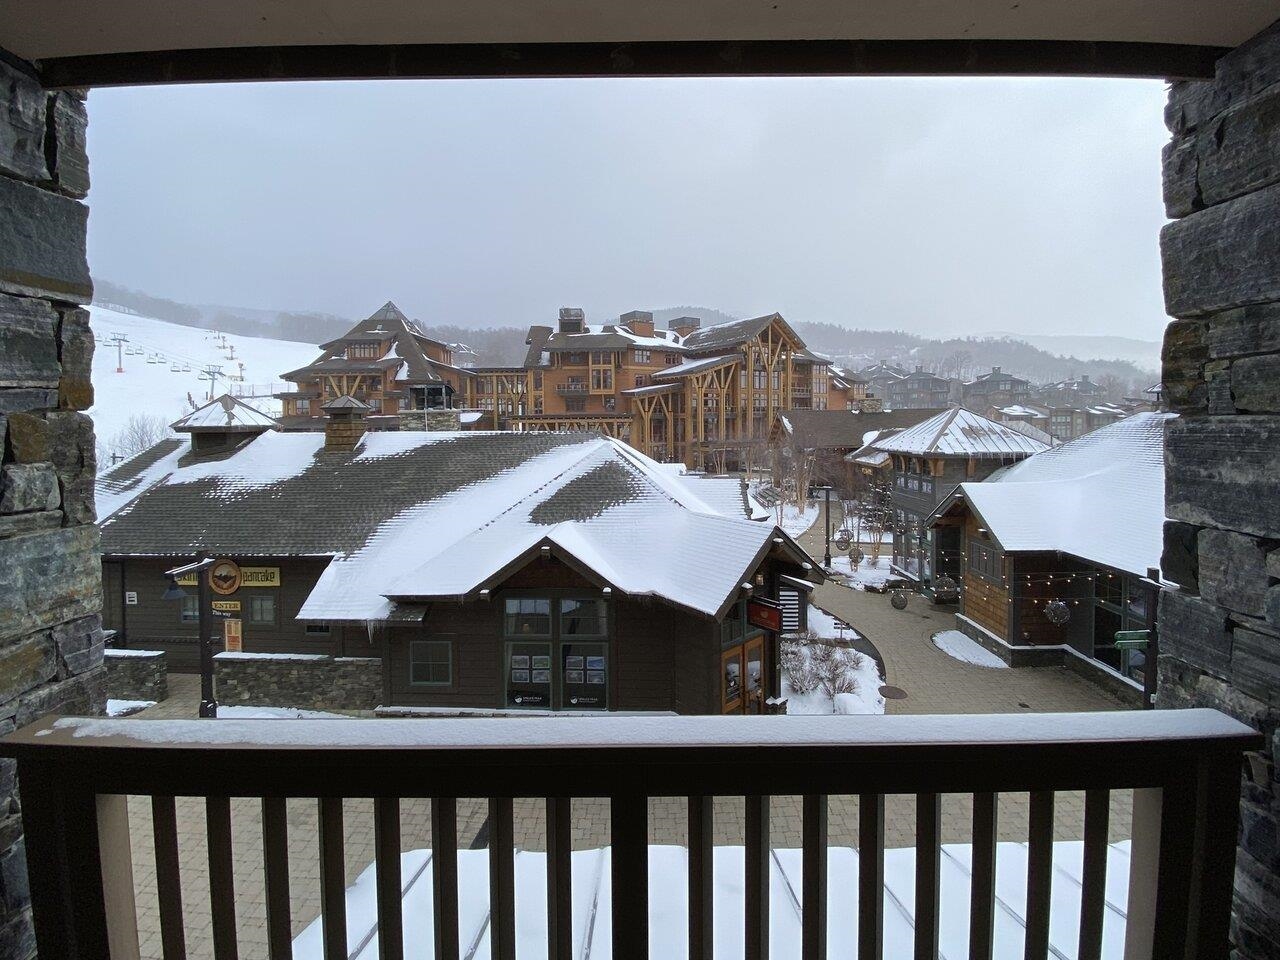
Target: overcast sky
point(936, 206)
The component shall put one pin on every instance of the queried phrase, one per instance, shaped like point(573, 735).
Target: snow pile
point(159, 390)
point(592, 893)
point(960, 647)
point(867, 575)
point(274, 713)
point(124, 708)
point(822, 675)
point(795, 520)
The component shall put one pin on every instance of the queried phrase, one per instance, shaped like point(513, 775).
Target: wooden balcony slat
point(1093, 895)
point(1039, 874)
point(756, 897)
point(928, 874)
point(164, 831)
point(386, 844)
point(444, 876)
point(275, 864)
point(982, 891)
point(333, 900)
point(814, 877)
point(222, 893)
point(701, 839)
point(559, 878)
point(629, 829)
point(502, 879)
point(871, 876)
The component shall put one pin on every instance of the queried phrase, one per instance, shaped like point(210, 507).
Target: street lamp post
point(208, 705)
point(826, 557)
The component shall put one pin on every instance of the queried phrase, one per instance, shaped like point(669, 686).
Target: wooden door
point(731, 674)
point(755, 683)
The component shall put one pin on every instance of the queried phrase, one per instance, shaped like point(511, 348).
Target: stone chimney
point(870, 405)
point(639, 322)
point(684, 326)
point(344, 423)
point(571, 320)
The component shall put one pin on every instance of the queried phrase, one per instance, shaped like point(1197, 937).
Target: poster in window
point(595, 676)
point(573, 676)
point(573, 663)
point(541, 676)
point(584, 689)
point(595, 663)
point(519, 676)
point(519, 663)
point(542, 663)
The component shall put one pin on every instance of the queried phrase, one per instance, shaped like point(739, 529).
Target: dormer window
point(364, 351)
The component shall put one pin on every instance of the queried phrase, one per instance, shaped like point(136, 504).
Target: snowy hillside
point(162, 372)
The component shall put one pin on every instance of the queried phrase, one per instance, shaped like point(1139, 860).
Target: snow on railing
point(1183, 766)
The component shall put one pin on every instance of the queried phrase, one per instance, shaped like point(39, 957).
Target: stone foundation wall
point(298, 680)
point(136, 674)
point(50, 589)
point(1220, 631)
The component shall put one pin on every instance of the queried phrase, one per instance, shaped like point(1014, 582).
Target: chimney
point(683, 326)
point(639, 322)
point(344, 423)
point(571, 320)
point(995, 369)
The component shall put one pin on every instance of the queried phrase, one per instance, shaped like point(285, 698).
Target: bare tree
point(875, 511)
point(141, 432)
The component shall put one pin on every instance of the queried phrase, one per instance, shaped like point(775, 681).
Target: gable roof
point(734, 333)
point(407, 351)
point(425, 515)
point(843, 429)
point(960, 432)
point(1099, 497)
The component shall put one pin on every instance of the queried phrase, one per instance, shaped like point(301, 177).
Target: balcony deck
point(1184, 766)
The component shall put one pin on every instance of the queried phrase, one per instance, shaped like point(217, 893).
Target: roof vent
point(344, 423)
point(685, 325)
point(571, 320)
point(639, 322)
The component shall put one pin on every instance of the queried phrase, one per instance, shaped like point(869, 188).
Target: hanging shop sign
point(224, 577)
point(225, 606)
point(232, 636)
point(765, 614)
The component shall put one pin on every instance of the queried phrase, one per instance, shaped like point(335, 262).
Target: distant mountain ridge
point(1142, 353)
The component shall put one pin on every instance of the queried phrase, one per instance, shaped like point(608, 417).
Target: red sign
point(762, 613)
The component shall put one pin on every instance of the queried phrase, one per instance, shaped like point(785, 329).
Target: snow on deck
point(592, 893)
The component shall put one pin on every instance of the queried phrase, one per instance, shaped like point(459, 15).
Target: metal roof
point(960, 432)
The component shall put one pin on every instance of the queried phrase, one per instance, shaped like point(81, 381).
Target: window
point(262, 608)
point(575, 404)
point(528, 617)
point(586, 618)
point(304, 408)
point(317, 629)
point(574, 357)
point(642, 380)
point(431, 663)
point(671, 359)
point(641, 356)
point(528, 674)
point(600, 357)
point(984, 560)
point(584, 676)
point(364, 351)
point(610, 404)
point(190, 609)
point(601, 379)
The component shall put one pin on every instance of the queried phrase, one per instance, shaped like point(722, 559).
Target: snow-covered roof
point(1020, 410)
point(960, 432)
point(418, 515)
point(1099, 497)
point(224, 413)
point(688, 367)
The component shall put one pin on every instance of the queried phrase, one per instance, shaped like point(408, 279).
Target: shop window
point(528, 617)
point(190, 609)
point(984, 560)
point(584, 676)
point(431, 663)
point(528, 670)
point(262, 608)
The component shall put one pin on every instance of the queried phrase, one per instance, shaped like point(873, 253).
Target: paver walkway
point(933, 681)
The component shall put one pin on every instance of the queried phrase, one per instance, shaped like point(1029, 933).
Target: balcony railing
point(571, 387)
point(1184, 767)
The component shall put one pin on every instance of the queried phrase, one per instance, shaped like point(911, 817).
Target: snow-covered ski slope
point(160, 390)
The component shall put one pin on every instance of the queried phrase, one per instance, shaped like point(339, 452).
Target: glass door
point(753, 657)
point(731, 692)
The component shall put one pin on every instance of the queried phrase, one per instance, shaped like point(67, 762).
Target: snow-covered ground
point(156, 388)
point(820, 679)
point(868, 574)
point(668, 903)
point(123, 708)
point(274, 713)
point(795, 521)
point(958, 646)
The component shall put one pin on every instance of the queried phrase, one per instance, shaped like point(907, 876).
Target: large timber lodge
point(706, 396)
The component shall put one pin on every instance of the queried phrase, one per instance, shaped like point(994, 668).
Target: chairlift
point(175, 368)
point(186, 368)
point(152, 360)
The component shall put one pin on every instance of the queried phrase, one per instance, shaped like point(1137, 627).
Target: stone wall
point(50, 591)
point(307, 681)
point(1220, 631)
point(136, 674)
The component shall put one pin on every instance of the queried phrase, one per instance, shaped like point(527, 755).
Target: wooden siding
point(986, 603)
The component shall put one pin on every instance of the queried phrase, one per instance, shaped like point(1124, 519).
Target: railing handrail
point(595, 756)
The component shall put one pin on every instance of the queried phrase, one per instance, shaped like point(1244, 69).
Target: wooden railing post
point(60, 825)
point(1144, 866)
point(117, 876)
